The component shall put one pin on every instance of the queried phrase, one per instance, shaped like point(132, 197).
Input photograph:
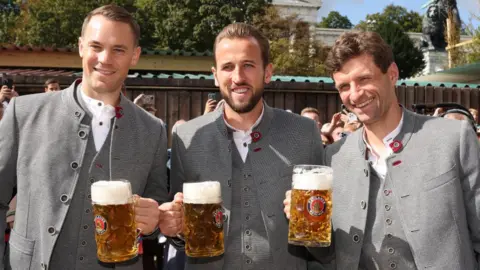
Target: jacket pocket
point(21, 251)
point(441, 179)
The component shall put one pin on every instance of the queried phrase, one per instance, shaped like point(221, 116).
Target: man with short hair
point(250, 149)
point(313, 114)
point(52, 85)
point(406, 193)
point(86, 133)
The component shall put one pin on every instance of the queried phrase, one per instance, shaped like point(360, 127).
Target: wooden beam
point(72, 60)
point(461, 44)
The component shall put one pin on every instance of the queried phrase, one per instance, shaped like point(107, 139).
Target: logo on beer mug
point(100, 225)
point(218, 218)
point(316, 206)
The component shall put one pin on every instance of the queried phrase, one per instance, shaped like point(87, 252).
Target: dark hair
point(243, 30)
point(115, 13)
point(353, 44)
point(50, 81)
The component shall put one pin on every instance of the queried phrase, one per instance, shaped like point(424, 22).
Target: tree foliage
point(408, 57)
point(174, 24)
point(192, 24)
point(409, 21)
point(293, 49)
point(335, 20)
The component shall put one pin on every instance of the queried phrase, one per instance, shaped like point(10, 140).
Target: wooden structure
point(185, 98)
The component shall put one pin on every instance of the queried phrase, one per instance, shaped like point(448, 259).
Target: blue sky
point(357, 10)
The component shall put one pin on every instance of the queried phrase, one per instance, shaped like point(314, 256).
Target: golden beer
point(203, 219)
point(114, 219)
point(311, 206)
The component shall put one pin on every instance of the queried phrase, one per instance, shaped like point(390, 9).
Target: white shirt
point(242, 138)
point(378, 162)
point(5, 104)
point(101, 120)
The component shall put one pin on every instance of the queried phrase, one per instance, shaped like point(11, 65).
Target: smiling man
point(406, 192)
point(55, 145)
point(249, 148)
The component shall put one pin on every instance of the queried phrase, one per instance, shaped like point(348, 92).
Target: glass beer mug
point(203, 219)
point(311, 206)
point(115, 227)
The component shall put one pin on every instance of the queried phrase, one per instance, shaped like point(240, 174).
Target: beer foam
point(202, 192)
point(312, 181)
point(111, 192)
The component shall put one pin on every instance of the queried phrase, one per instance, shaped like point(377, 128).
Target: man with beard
point(406, 193)
point(250, 149)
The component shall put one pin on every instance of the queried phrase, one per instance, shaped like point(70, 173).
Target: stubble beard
point(243, 108)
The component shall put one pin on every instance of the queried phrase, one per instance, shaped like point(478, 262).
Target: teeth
point(105, 72)
point(361, 105)
point(240, 91)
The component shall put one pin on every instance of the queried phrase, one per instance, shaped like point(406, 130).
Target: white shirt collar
point(242, 138)
point(97, 107)
point(250, 130)
point(387, 140)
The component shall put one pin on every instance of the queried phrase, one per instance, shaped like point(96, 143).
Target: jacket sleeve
point(157, 182)
point(177, 178)
point(469, 161)
point(8, 161)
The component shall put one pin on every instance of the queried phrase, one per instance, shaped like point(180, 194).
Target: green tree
point(293, 50)
point(56, 22)
point(409, 21)
point(335, 20)
point(193, 24)
point(9, 14)
point(408, 57)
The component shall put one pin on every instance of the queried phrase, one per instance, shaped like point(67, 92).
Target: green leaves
point(335, 20)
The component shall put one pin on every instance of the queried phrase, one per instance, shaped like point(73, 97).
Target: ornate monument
point(434, 22)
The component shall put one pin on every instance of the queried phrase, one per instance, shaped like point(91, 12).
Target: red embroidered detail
point(98, 165)
point(396, 146)
point(118, 112)
point(396, 163)
point(256, 136)
point(257, 149)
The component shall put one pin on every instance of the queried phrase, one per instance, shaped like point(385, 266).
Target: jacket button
point(92, 180)
point(356, 238)
point(391, 250)
point(78, 114)
point(387, 207)
point(363, 204)
point(365, 171)
point(64, 198)
point(74, 165)
point(82, 134)
point(51, 230)
point(393, 265)
point(248, 232)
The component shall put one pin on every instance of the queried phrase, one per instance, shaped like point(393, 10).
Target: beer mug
point(311, 206)
point(115, 226)
point(203, 219)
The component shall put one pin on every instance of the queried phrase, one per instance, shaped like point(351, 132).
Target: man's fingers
point(166, 207)
point(178, 198)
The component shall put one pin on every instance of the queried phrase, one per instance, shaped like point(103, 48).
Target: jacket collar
point(74, 106)
point(263, 127)
point(403, 137)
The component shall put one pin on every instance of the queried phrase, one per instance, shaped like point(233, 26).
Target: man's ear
point(80, 46)
point(136, 55)
point(214, 71)
point(393, 73)
point(268, 73)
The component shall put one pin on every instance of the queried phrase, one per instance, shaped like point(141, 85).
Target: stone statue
point(434, 23)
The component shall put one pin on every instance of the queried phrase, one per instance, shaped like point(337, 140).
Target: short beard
point(243, 108)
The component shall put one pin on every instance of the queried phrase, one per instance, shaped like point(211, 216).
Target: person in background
point(52, 85)
point(7, 92)
point(313, 114)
